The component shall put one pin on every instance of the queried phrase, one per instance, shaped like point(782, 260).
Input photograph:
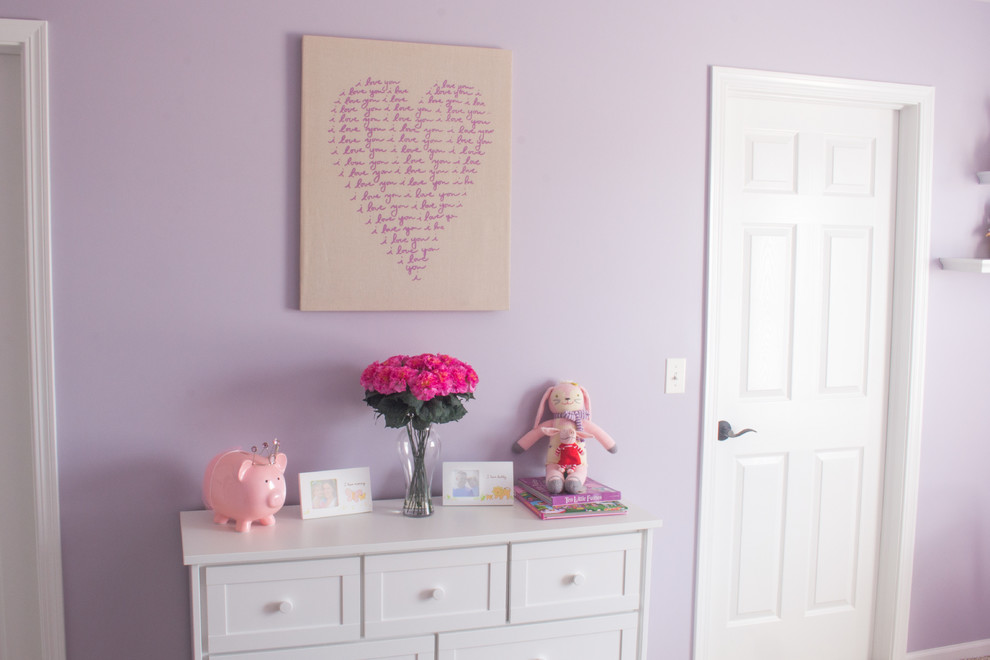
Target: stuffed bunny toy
point(567, 462)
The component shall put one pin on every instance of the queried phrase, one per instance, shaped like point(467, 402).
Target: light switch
point(676, 373)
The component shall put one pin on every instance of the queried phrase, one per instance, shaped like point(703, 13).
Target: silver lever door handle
point(725, 431)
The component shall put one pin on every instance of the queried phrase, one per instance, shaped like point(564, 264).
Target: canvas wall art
point(405, 176)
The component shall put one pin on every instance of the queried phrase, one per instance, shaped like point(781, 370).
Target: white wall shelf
point(969, 265)
point(966, 265)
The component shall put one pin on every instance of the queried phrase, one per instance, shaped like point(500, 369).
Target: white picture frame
point(334, 492)
point(483, 483)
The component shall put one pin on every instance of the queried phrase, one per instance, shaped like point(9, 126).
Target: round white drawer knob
point(285, 607)
point(438, 593)
point(577, 579)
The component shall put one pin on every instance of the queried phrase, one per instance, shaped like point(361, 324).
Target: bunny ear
point(543, 402)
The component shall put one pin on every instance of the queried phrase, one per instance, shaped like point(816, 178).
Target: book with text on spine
point(594, 491)
point(588, 509)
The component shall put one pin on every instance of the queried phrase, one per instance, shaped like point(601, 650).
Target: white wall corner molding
point(955, 652)
point(28, 40)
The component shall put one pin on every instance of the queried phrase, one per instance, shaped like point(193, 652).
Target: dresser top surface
point(385, 529)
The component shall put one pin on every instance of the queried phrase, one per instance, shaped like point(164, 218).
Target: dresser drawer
point(575, 577)
point(611, 637)
point(406, 593)
point(262, 606)
point(411, 648)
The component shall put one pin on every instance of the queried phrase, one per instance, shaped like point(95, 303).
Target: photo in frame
point(404, 176)
point(477, 483)
point(334, 492)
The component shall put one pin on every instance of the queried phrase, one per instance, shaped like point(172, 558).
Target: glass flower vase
point(419, 451)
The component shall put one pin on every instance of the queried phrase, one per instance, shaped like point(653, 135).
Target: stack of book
point(596, 500)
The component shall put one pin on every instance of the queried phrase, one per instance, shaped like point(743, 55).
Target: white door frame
point(29, 40)
point(915, 105)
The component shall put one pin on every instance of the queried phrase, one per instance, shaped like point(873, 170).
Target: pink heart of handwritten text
point(410, 164)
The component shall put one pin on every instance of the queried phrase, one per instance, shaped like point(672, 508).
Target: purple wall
point(175, 149)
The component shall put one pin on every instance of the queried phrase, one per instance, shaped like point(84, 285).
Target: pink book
point(594, 491)
point(588, 509)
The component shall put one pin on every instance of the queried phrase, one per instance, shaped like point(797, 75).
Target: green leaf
point(394, 410)
point(395, 420)
point(401, 408)
point(409, 400)
point(456, 409)
point(434, 411)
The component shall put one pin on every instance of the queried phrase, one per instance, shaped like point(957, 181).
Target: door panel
point(768, 306)
point(761, 483)
point(837, 500)
point(846, 315)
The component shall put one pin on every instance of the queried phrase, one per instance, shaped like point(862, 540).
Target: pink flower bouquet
point(420, 390)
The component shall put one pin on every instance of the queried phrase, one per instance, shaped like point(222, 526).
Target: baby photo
point(482, 483)
point(334, 492)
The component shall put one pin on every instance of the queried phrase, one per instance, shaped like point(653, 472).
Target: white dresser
point(468, 583)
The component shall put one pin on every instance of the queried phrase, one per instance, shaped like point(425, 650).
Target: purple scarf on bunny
point(576, 416)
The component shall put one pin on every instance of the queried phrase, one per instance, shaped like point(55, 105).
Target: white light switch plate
point(676, 373)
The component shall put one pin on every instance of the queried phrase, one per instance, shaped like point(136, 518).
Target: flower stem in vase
point(419, 449)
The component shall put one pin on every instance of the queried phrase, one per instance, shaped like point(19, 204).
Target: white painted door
point(803, 301)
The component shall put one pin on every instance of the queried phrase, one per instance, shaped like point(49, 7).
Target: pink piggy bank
point(245, 488)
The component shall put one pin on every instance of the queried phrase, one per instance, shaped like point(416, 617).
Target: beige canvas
point(405, 178)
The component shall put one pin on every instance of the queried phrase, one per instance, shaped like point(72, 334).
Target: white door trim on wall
point(29, 40)
point(915, 106)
